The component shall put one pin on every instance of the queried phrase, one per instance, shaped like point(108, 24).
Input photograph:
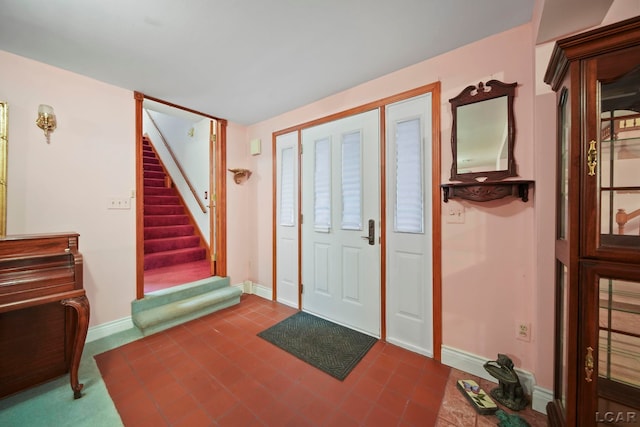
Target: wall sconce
point(46, 120)
point(240, 175)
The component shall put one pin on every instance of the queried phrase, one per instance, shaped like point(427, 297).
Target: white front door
point(409, 242)
point(340, 199)
point(287, 218)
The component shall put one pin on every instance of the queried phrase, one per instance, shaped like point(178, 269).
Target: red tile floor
point(215, 371)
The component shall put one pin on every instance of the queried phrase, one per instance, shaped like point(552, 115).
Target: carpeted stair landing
point(166, 308)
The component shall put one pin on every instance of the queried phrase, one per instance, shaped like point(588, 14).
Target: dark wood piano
point(44, 312)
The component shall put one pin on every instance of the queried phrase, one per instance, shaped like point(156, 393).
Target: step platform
point(173, 306)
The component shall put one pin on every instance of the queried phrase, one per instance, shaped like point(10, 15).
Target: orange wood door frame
point(436, 218)
point(219, 191)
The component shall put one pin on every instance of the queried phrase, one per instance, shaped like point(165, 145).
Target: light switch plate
point(118, 203)
point(455, 214)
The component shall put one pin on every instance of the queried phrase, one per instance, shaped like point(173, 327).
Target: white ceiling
point(247, 60)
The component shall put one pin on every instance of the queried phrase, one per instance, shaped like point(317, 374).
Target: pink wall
point(487, 262)
point(64, 186)
point(241, 212)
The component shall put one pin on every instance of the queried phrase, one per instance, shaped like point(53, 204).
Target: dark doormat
point(329, 347)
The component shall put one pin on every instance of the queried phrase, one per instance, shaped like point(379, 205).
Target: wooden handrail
point(623, 217)
point(175, 160)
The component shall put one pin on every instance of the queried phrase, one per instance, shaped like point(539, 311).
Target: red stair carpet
point(169, 236)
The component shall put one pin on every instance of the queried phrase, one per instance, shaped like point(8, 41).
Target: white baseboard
point(289, 303)
point(109, 328)
point(248, 287)
point(540, 397)
point(474, 365)
point(410, 347)
point(263, 291)
point(245, 287)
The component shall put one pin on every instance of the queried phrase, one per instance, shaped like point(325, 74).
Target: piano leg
point(81, 306)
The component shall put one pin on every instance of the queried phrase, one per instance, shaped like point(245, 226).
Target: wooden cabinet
point(597, 356)
point(44, 312)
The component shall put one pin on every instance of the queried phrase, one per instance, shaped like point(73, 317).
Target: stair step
point(150, 161)
point(165, 220)
point(159, 191)
point(163, 209)
point(166, 308)
point(153, 182)
point(177, 256)
point(171, 231)
point(170, 243)
point(153, 174)
point(181, 292)
point(150, 167)
point(161, 200)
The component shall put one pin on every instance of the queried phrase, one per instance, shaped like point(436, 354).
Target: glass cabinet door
point(562, 334)
point(563, 338)
point(611, 375)
point(612, 157)
point(619, 176)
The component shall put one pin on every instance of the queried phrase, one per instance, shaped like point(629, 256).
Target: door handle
point(372, 233)
point(588, 365)
point(592, 158)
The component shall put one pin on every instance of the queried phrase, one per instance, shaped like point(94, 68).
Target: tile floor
point(215, 371)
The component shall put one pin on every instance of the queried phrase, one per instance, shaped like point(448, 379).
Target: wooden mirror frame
point(470, 95)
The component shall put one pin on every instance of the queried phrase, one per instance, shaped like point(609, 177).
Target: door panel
point(340, 195)
point(612, 202)
point(409, 246)
point(611, 360)
point(287, 219)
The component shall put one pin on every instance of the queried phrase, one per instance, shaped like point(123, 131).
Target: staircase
point(169, 235)
point(170, 239)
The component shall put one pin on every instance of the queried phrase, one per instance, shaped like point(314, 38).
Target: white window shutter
point(351, 181)
point(409, 209)
point(322, 185)
point(287, 188)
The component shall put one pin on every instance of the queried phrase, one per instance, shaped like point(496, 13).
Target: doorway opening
point(181, 203)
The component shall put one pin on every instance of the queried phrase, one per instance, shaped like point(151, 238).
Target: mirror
point(3, 168)
point(483, 132)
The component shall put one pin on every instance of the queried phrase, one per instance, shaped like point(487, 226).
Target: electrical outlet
point(455, 214)
point(118, 203)
point(523, 331)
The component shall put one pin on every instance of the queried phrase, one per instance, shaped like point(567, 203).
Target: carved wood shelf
point(487, 190)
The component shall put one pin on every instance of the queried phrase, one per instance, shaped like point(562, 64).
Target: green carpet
point(52, 403)
point(325, 345)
